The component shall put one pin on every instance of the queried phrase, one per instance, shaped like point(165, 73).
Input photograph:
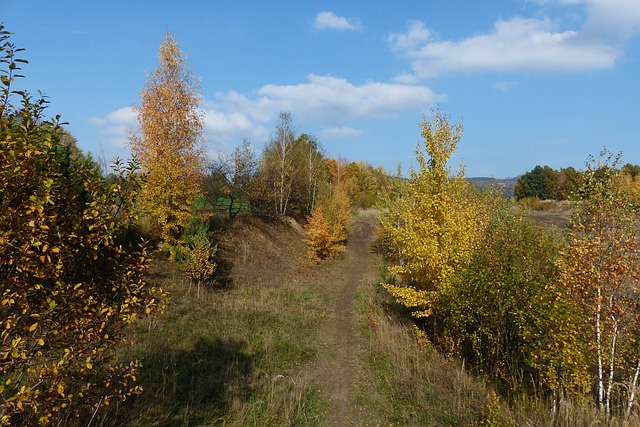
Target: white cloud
point(504, 85)
point(116, 126)
point(340, 132)
point(321, 100)
point(329, 20)
point(416, 35)
point(97, 121)
point(332, 97)
point(222, 127)
point(611, 18)
point(125, 115)
point(514, 45)
point(532, 44)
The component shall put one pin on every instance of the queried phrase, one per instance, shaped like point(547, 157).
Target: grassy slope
point(240, 355)
point(231, 356)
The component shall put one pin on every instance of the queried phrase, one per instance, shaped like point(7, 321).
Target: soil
point(337, 372)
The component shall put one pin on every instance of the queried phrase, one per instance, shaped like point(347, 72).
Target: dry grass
point(414, 385)
point(239, 354)
point(232, 356)
point(550, 213)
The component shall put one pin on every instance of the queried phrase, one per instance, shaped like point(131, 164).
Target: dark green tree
point(567, 182)
point(539, 182)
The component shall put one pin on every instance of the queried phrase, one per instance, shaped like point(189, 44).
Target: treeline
point(546, 183)
point(294, 177)
point(289, 177)
point(72, 263)
point(532, 311)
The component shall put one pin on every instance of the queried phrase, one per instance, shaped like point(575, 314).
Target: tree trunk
point(632, 388)
point(611, 364)
point(599, 351)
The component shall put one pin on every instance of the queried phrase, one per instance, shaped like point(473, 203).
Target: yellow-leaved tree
point(435, 225)
point(168, 144)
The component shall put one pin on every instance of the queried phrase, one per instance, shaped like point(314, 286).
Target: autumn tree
point(506, 313)
point(329, 222)
point(435, 224)
point(168, 144)
point(600, 268)
point(313, 171)
point(71, 280)
point(278, 163)
point(567, 182)
point(291, 168)
point(231, 178)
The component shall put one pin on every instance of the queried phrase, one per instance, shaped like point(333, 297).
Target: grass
point(233, 356)
point(414, 385)
point(238, 355)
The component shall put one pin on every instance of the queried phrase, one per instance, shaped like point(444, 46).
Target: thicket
point(71, 280)
point(534, 311)
point(546, 183)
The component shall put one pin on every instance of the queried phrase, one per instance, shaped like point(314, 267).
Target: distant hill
point(506, 184)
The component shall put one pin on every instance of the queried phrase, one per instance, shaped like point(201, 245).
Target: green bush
point(196, 253)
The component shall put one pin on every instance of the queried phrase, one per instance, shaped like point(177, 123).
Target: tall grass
point(413, 384)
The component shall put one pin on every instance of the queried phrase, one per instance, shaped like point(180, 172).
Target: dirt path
point(337, 373)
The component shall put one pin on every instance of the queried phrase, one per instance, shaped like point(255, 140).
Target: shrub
point(70, 280)
point(196, 252)
point(328, 227)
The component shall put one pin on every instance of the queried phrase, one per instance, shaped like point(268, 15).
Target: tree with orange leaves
point(168, 144)
point(601, 269)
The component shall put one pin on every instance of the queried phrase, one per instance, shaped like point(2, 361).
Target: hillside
point(506, 184)
point(286, 343)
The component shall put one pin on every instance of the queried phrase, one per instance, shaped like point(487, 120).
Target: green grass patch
point(232, 356)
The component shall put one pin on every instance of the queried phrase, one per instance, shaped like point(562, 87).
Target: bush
point(328, 227)
point(70, 280)
point(196, 252)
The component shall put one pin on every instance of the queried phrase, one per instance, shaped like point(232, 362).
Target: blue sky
point(534, 81)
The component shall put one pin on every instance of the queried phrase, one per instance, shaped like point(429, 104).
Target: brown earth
point(338, 371)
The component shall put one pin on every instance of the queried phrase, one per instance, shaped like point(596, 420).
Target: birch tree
point(435, 225)
point(169, 142)
point(281, 163)
point(601, 269)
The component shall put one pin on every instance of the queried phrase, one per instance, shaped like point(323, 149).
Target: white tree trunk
point(612, 356)
point(632, 389)
point(599, 351)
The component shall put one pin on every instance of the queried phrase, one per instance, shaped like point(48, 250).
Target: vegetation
point(546, 321)
point(433, 226)
point(231, 178)
point(328, 226)
point(546, 183)
point(600, 272)
point(526, 309)
point(168, 145)
point(70, 279)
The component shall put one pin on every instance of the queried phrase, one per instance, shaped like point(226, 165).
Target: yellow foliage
point(435, 224)
point(169, 143)
point(328, 227)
